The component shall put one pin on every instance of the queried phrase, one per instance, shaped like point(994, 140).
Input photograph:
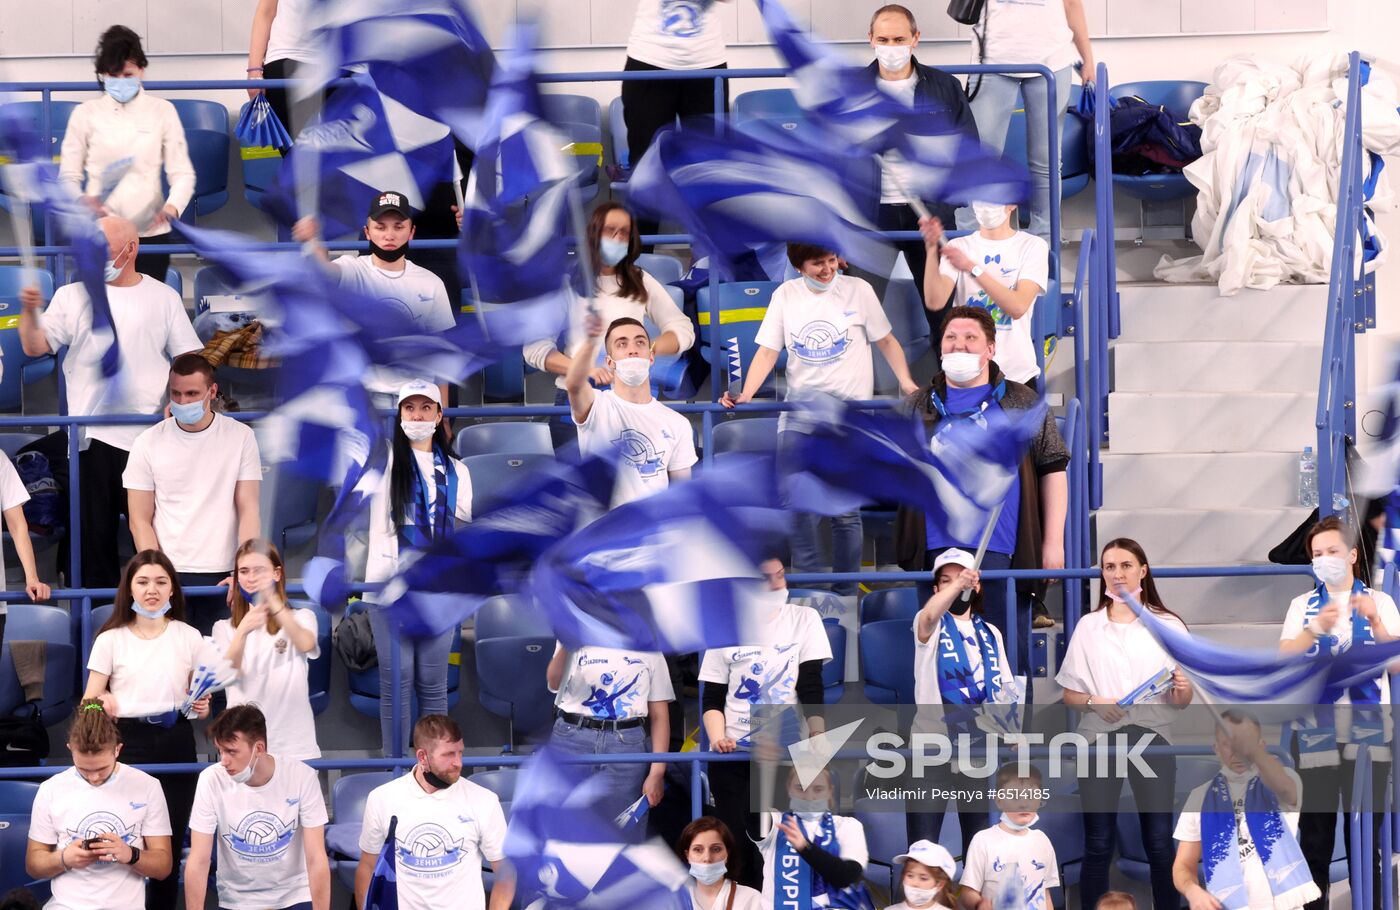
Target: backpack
point(354, 642)
point(47, 508)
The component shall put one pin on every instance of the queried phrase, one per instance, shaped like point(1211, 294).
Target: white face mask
point(1331, 570)
point(242, 777)
point(707, 873)
point(962, 366)
point(893, 57)
point(633, 371)
point(1006, 820)
point(990, 215)
point(920, 897)
point(1238, 778)
point(418, 430)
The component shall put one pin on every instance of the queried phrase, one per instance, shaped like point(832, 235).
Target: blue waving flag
point(383, 890)
point(675, 572)
point(570, 855)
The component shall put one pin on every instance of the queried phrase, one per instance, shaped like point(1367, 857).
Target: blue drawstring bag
point(260, 134)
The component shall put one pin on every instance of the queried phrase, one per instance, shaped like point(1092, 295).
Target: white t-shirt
point(382, 560)
point(658, 306)
point(1020, 257)
point(827, 336)
point(765, 673)
point(194, 476)
point(611, 684)
point(272, 676)
point(902, 90)
point(1029, 31)
point(1256, 882)
point(12, 493)
point(441, 840)
point(996, 854)
point(152, 328)
point(147, 677)
point(68, 808)
point(1111, 659)
point(1294, 622)
point(652, 439)
point(262, 862)
point(745, 898)
point(677, 34)
point(850, 841)
point(414, 291)
point(287, 39)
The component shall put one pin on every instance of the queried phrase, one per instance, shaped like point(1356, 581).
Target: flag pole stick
point(982, 545)
point(24, 227)
point(308, 192)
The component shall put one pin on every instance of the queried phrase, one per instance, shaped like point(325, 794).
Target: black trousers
point(294, 116)
point(202, 611)
point(150, 260)
point(901, 217)
point(144, 743)
point(1317, 823)
point(729, 785)
point(101, 503)
point(647, 106)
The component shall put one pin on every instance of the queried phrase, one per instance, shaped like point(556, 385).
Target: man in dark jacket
point(925, 90)
point(1031, 530)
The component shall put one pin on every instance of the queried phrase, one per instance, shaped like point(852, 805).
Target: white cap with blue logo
point(422, 387)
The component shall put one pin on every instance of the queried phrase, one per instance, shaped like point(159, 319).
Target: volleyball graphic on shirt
point(429, 848)
point(97, 824)
point(636, 447)
point(611, 699)
point(261, 837)
point(820, 342)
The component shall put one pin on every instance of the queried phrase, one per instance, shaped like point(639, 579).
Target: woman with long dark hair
point(139, 671)
point(1118, 675)
point(706, 845)
point(426, 492)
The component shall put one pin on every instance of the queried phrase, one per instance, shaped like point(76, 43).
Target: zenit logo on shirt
point(429, 849)
point(100, 823)
point(681, 18)
point(261, 837)
point(636, 447)
point(820, 342)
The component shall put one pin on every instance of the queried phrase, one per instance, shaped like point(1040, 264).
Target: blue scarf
point(957, 683)
point(1317, 744)
point(429, 526)
point(797, 887)
point(1277, 846)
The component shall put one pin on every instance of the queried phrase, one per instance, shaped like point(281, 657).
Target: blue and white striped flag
point(383, 890)
point(843, 457)
point(571, 856)
point(675, 572)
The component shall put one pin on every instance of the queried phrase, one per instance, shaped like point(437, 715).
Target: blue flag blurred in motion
point(438, 588)
point(513, 241)
point(841, 456)
point(675, 572)
point(568, 854)
point(362, 143)
point(383, 891)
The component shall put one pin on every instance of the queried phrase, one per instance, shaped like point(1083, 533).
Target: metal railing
point(1102, 309)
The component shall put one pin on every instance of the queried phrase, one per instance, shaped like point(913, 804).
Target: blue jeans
point(847, 538)
point(992, 110)
point(422, 671)
point(620, 784)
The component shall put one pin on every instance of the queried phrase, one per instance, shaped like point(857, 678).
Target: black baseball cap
point(390, 202)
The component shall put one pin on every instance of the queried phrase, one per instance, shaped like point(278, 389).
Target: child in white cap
point(927, 879)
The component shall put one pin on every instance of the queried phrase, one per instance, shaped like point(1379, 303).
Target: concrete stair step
point(1200, 537)
point(1216, 366)
point(1206, 480)
point(1249, 599)
point(1159, 312)
point(1211, 421)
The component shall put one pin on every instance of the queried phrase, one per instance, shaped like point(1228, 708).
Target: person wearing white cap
point(959, 660)
point(425, 492)
point(927, 877)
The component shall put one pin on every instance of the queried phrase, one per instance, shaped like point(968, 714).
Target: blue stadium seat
point(886, 836)
point(14, 842)
point(746, 434)
point(510, 676)
point(207, 135)
point(11, 443)
point(890, 604)
point(100, 614)
point(586, 147)
point(500, 781)
point(40, 622)
point(742, 305)
point(494, 475)
point(507, 615)
point(318, 670)
point(59, 672)
point(767, 103)
point(617, 128)
point(663, 268)
point(887, 662)
point(507, 437)
point(1176, 96)
point(31, 113)
point(364, 685)
point(834, 670)
point(1075, 170)
point(17, 796)
point(1063, 822)
point(348, 796)
point(12, 280)
point(175, 280)
point(289, 504)
point(561, 108)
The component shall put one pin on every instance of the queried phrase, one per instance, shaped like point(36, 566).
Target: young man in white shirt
point(827, 322)
point(446, 826)
point(385, 275)
point(1000, 269)
point(151, 329)
point(269, 819)
point(656, 444)
point(192, 484)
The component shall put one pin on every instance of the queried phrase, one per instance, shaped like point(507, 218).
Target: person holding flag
point(1340, 613)
point(1117, 673)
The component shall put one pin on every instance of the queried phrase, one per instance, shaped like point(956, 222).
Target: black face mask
point(388, 255)
point(434, 781)
point(959, 606)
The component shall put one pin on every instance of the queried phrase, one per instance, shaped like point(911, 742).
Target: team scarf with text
point(1290, 880)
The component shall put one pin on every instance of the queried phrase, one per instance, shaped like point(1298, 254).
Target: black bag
point(23, 740)
point(354, 642)
point(968, 12)
point(1292, 550)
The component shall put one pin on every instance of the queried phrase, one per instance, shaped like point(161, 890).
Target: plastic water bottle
point(1307, 478)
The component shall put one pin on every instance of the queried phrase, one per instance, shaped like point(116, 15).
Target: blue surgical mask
point(612, 251)
point(110, 272)
point(707, 873)
point(157, 613)
point(818, 287)
point(250, 597)
point(188, 414)
point(122, 88)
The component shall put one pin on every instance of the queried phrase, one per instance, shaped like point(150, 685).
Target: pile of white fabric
point(1268, 179)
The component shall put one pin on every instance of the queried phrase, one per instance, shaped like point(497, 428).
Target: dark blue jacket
point(936, 90)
